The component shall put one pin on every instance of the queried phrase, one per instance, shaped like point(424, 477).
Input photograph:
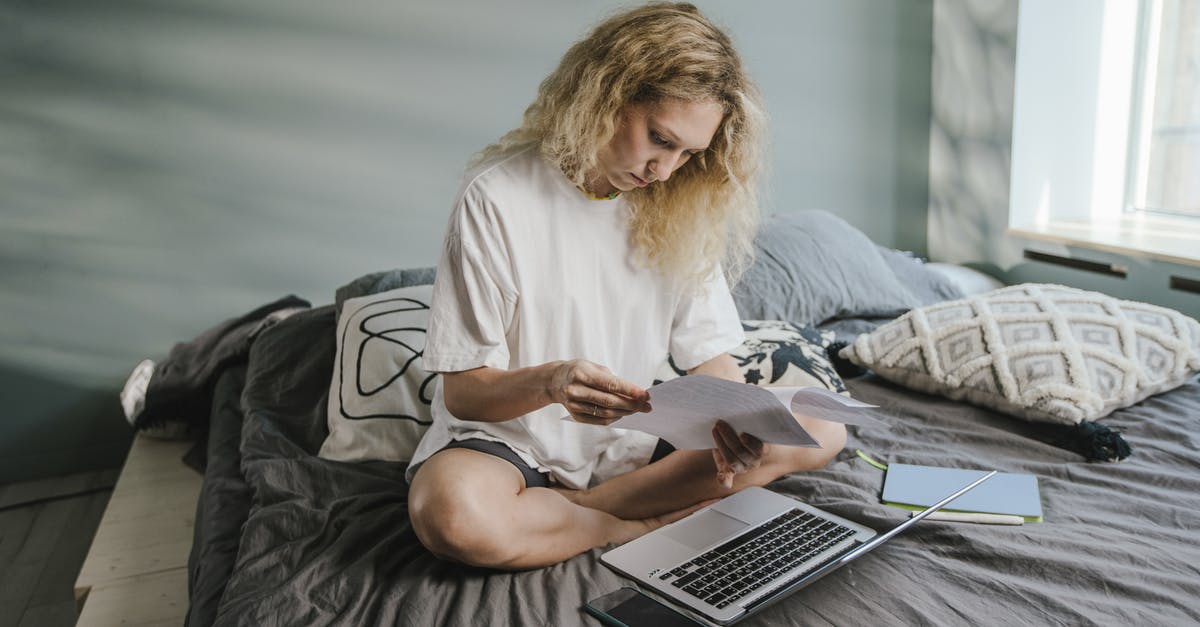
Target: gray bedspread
point(326, 543)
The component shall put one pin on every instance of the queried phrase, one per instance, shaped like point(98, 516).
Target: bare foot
point(627, 530)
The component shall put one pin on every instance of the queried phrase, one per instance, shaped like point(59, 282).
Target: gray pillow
point(967, 280)
point(927, 285)
point(812, 266)
point(384, 281)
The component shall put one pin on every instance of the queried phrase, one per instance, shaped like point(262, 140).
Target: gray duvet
point(291, 539)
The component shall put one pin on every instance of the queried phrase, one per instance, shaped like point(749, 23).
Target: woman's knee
point(458, 522)
point(449, 530)
point(832, 438)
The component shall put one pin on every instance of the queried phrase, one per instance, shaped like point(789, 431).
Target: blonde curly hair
point(707, 213)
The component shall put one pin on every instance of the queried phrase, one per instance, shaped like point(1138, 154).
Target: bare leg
point(687, 477)
point(474, 508)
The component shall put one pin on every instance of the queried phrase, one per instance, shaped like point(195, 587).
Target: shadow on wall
point(970, 141)
point(53, 427)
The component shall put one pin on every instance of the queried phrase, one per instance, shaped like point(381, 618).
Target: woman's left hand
point(735, 453)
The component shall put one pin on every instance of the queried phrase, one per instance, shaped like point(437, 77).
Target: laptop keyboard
point(756, 558)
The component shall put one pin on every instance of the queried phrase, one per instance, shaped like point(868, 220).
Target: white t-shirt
point(534, 271)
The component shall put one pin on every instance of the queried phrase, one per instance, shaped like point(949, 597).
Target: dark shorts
point(533, 478)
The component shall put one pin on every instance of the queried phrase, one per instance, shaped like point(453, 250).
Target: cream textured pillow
point(1042, 352)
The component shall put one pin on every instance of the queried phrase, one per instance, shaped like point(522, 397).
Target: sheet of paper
point(686, 409)
point(827, 405)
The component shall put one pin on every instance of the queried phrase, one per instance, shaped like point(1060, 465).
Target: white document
point(686, 409)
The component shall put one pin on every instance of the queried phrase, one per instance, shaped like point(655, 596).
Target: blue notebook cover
point(918, 487)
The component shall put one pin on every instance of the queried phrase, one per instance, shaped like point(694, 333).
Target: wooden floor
point(46, 527)
point(102, 548)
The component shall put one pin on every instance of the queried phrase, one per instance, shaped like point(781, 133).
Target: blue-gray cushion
point(812, 266)
point(384, 281)
point(927, 285)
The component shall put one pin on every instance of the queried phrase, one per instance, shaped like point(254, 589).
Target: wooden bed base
point(136, 570)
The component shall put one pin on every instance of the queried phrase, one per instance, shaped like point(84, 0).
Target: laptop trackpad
point(700, 530)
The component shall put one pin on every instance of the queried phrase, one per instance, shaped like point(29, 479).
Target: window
point(1165, 139)
point(1106, 126)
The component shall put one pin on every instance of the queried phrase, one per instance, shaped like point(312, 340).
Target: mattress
point(286, 538)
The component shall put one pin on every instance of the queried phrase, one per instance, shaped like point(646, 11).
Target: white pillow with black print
point(380, 396)
point(779, 354)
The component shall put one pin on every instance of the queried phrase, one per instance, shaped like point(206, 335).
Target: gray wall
point(164, 166)
point(970, 151)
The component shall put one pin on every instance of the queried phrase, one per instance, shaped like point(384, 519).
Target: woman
point(585, 247)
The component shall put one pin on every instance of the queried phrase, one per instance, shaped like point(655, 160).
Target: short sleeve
point(706, 323)
point(473, 295)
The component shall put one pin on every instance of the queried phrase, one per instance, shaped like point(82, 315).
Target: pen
point(982, 519)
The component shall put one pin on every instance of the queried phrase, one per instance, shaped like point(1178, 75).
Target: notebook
point(916, 487)
point(747, 551)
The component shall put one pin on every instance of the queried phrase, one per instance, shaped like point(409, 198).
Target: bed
point(284, 537)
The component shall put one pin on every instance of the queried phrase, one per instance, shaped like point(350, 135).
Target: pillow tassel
point(1095, 442)
point(844, 367)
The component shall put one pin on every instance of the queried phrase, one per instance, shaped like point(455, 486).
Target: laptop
point(747, 551)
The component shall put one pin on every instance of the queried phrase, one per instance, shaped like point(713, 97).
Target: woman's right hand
point(593, 394)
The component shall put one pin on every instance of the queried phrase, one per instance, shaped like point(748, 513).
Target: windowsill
point(1175, 240)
